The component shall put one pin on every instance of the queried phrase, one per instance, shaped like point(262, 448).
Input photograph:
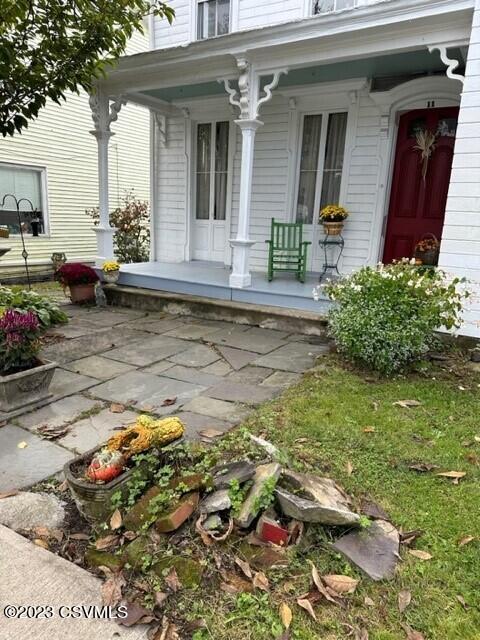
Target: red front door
point(417, 205)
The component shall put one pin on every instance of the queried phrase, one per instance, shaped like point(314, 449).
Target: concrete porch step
point(267, 316)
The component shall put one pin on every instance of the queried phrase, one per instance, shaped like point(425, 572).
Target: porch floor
point(212, 281)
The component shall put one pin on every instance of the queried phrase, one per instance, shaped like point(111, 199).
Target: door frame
point(421, 93)
point(232, 137)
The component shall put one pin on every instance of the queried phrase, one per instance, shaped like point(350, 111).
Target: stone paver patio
point(217, 372)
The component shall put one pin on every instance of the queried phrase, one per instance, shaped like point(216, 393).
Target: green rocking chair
point(287, 250)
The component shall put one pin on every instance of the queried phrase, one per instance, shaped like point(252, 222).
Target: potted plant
point(80, 279)
point(24, 378)
point(111, 271)
point(428, 250)
point(333, 217)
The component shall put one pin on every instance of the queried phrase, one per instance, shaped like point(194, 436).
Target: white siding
point(460, 250)
point(252, 13)
point(59, 140)
point(171, 35)
point(171, 194)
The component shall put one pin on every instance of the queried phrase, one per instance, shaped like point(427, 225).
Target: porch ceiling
point(400, 64)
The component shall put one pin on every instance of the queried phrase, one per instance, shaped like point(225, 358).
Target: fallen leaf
point(130, 535)
point(116, 520)
point(421, 555)
point(340, 584)
point(107, 542)
point(360, 634)
point(234, 584)
point(349, 467)
point(369, 430)
point(307, 605)
point(48, 432)
point(422, 467)
point(369, 602)
point(44, 532)
point(211, 433)
point(301, 440)
point(285, 615)
point(461, 600)
point(135, 614)
point(319, 584)
point(260, 581)
point(412, 634)
point(407, 404)
point(172, 580)
point(8, 494)
point(22, 445)
point(112, 587)
point(79, 536)
point(63, 487)
point(404, 599)
point(168, 402)
point(168, 631)
point(453, 475)
point(375, 405)
point(466, 540)
point(41, 543)
point(117, 407)
point(244, 566)
point(408, 537)
point(473, 458)
point(160, 598)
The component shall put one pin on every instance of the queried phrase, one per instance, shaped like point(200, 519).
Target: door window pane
point(312, 127)
point(204, 135)
point(334, 155)
point(26, 185)
point(221, 170)
point(213, 18)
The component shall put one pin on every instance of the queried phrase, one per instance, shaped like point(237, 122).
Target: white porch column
point(240, 276)
point(249, 102)
point(103, 115)
point(460, 248)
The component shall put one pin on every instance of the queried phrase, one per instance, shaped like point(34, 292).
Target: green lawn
point(331, 408)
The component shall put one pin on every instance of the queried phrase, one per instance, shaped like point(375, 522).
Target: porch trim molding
point(450, 63)
point(103, 114)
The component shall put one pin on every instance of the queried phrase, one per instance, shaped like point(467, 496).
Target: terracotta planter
point(82, 292)
point(333, 228)
point(111, 277)
point(26, 387)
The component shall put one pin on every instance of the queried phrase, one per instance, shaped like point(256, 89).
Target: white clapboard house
point(264, 109)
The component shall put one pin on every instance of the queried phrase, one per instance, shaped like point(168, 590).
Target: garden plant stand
point(331, 244)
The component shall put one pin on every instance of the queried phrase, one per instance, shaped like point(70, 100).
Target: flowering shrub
point(48, 312)
point(110, 265)
point(333, 213)
point(76, 273)
point(132, 236)
point(386, 317)
point(19, 341)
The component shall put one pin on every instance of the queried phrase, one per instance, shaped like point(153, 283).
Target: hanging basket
point(429, 256)
point(333, 228)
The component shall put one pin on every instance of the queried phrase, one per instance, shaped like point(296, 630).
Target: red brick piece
point(269, 530)
point(172, 518)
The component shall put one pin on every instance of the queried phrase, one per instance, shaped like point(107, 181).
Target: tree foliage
point(50, 47)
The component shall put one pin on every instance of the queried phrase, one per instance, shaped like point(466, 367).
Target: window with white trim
point(212, 170)
point(321, 163)
point(213, 18)
point(27, 185)
point(327, 6)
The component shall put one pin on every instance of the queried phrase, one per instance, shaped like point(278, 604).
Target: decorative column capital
point(104, 113)
point(249, 125)
point(247, 97)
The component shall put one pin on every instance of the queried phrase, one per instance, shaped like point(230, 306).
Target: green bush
point(48, 312)
point(386, 317)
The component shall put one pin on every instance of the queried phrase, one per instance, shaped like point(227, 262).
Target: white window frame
point(320, 161)
point(233, 16)
point(43, 193)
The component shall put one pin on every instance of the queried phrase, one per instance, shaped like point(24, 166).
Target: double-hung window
point(321, 164)
point(27, 185)
point(212, 170)
point(213, 18)
point(327, 6)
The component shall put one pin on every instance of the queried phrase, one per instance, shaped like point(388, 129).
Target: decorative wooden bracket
point(161, 125)
point(246, 97)
point(450, 63)
point(104, 112)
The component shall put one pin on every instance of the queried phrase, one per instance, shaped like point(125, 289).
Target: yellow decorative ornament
point(144, 434)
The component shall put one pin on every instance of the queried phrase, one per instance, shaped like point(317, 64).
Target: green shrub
point(48, 312)
point(385, 317)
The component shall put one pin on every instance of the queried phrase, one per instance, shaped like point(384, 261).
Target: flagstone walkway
point(211, 374)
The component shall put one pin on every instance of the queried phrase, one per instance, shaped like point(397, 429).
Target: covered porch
point(275, 123)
